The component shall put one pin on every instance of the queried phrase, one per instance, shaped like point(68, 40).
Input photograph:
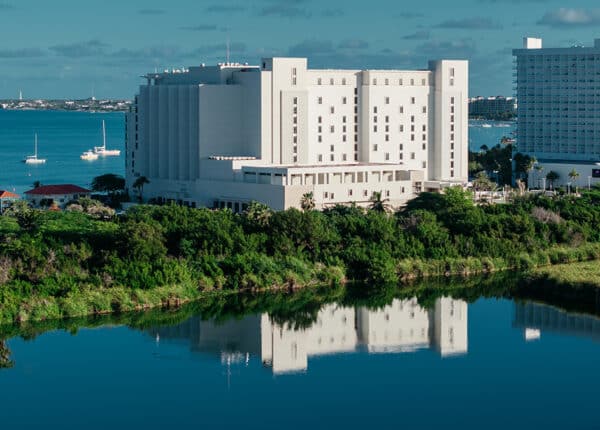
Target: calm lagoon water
point(62, 137)
point(492, 364)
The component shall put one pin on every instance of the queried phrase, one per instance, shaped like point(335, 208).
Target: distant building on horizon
point(497, 107)
point(226, 135)
point(559, 109)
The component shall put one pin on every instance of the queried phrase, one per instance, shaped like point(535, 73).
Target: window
point(344, 138)
point(387, 156)
point(451, 118)
point(401, 156)
point(344, 129)
point(401, 147)
point(451, 100)
point(374, 81)
point(387, 194)
point(375, 148)
point(355, 157)
point(387, 137)
point(387, 118)
point(319, 81)
point(424, 127)
point(412, 100)
point(452, 72)
point(375, 119)
point(400, 82)
point(320, 129)
point(320, 157)
point(401, 128)
point(350, 192)
point(331, 148)
point(331, 81)
point(452, 173)
point(424, 164)
point(295, 100)
point(424, 137)
point(344, 119)
point(320, 119)
point(343, 81)
point(320, 100)
point(387, 81)
point(412, 155)
point(412, 82)
point(332, 129)
point(343, 157)
point(332, 157)
point(344, 100)
point(332, 109)
point(424, 109)
point(374, 129)
point(320, 138)
point(374, 109)
point(295, 158)
point(424, 145)
point(365, 193)
point(387, 100)
point(401, 109)
point(412, 119)
point(424, 82)
point(412, 137)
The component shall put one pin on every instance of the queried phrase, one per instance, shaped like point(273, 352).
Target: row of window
point(375, 81)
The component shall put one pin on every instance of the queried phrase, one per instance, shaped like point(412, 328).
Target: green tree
point(26, 216)
point(37, 184)
point(552, 177)
point(378, 203)
point(258, 214)
point(307, 203)
point(573, 176)
point(108, 183)
point(139, 186)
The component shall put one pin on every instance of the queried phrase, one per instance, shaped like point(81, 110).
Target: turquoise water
point(62, 137)
point(492, 364)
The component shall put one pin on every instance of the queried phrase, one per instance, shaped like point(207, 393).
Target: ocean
point(63, 136)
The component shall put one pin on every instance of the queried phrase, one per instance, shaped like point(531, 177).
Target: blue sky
point(69, 48)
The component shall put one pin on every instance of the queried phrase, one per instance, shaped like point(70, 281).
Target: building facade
point(226, 135)
point(493, 107)
point(558, 112)
point(60, 195)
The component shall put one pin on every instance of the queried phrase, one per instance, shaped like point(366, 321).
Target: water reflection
point(536, 318)
point(402, 326)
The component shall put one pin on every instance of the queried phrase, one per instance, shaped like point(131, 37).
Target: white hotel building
point(558, 90)
point(225, 135)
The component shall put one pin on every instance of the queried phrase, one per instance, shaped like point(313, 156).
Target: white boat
point(33, 159)
point(89, 155)
point(101, 150)
point(486, 125)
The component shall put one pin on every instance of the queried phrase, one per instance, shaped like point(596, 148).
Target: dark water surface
point(398, 363)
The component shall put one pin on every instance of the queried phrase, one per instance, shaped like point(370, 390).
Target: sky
point(79, 48)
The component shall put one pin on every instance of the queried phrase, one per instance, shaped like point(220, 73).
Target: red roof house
point(60, 194)
point(6, 199)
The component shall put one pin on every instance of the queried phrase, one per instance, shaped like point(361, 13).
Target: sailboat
point(33, 159)
point(101, 150)
point(89, 155)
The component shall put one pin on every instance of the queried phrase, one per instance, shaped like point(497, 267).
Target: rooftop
point(48, 190)
point(8, 195)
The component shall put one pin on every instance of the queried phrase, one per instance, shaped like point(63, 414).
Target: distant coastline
point(85, 105)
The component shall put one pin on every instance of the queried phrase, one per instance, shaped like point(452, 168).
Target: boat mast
point(103, 135)
point(35, 146)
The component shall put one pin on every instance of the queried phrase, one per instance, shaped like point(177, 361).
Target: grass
point(576, 274)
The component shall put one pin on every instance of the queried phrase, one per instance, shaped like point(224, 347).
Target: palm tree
point(307, 203)
point(37, 184)
point(379, 204)
point(529, 166)
point(573, 175)
point(551, 177)
point(139, 185)
point(539, 169)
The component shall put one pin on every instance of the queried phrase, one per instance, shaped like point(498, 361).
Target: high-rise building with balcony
point(559, 107)
point(226, 135)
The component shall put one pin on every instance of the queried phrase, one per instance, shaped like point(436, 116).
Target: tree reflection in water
point(5, 361)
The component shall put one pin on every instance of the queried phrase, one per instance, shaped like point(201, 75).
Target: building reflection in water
point(535, 319)
point(403, 326)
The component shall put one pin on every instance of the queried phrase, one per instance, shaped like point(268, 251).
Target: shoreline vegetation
point(69, 264)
